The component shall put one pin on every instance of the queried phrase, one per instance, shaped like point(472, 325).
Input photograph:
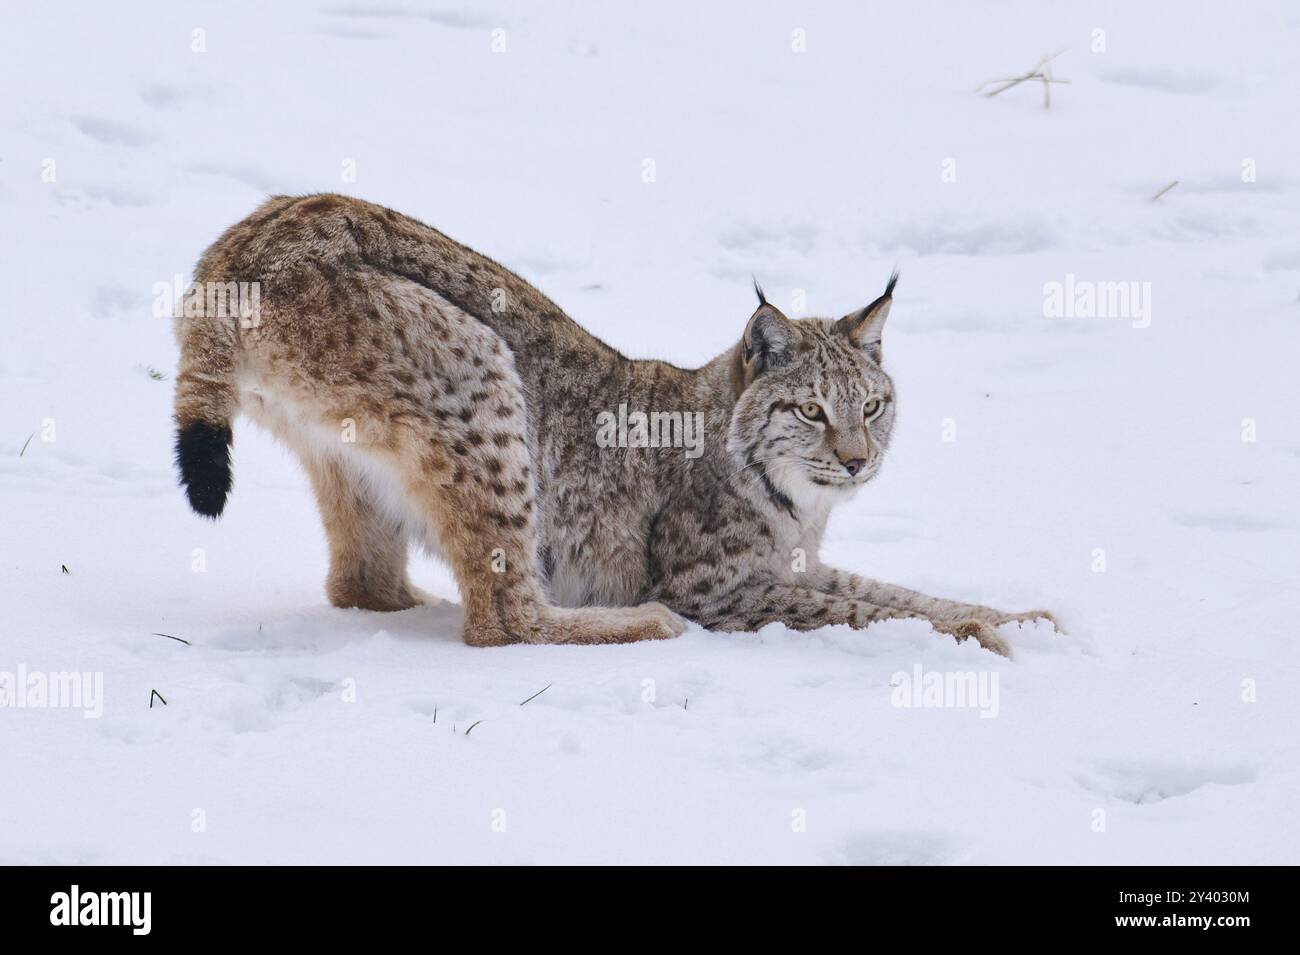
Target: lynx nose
point(854, 465)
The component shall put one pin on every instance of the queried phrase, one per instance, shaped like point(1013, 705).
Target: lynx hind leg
point(475, 489)
point(368, 543)
point(457, 437)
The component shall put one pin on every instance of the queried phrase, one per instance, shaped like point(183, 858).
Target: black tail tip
point(203, 458)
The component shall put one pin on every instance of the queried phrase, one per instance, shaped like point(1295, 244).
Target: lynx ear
point(769, 340)
point(864, 326)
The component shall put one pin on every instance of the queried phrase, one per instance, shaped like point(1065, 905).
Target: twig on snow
point(538, 693)
point(1042, 72)
point(1156, 197)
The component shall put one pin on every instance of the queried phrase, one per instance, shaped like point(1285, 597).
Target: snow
point(295, 732)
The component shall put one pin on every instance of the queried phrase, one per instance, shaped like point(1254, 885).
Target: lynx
point(435, 397)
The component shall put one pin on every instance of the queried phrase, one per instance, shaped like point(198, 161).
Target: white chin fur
point(808, 497)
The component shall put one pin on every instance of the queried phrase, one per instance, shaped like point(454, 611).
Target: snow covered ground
point(1137, 474)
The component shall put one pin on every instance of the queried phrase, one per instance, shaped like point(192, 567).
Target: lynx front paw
point(981, 632)
point(1029, 616)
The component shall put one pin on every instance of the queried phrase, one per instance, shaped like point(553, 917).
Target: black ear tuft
point(864, 326)
point(893, 280)
point(887, 296)
point(758, 290)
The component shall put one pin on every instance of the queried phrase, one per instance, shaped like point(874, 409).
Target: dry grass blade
point(538, 693)
point(1042, 72)
point(1158, 195)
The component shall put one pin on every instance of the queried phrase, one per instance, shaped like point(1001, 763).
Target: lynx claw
point(983, 634)
point(1029, 616)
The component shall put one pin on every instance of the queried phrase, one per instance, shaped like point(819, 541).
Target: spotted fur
point(434, 396)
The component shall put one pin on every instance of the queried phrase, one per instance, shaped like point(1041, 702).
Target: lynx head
point(814, 408)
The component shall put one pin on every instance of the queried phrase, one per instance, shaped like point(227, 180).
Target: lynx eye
point(871, 410)
point(811, 411)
